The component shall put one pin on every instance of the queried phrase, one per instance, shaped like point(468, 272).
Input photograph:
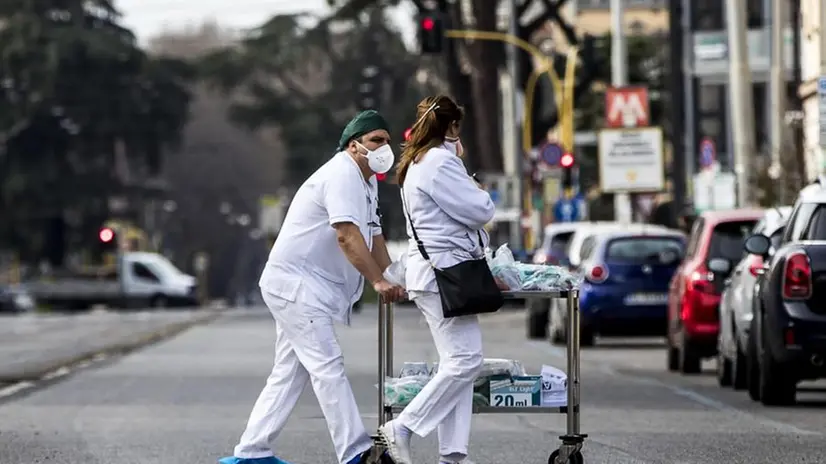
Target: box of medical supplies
point(515, 391)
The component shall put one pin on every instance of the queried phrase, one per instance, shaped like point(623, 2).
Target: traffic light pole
point(619, 78)
point(518, 187)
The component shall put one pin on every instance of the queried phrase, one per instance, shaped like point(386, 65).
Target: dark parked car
point(15, 299)
point(787, 338)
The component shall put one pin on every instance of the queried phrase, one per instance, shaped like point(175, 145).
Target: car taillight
point(797, 277)
point(700, 282)
point(756, 265)
point(597, 274)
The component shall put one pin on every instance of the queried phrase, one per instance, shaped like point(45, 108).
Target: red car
point(714, 248)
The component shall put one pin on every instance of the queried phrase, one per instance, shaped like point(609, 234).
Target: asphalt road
point(186, 400)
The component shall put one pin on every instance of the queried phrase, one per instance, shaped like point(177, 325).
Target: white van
point(141, 279)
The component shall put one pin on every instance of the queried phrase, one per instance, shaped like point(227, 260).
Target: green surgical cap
point(362, 123)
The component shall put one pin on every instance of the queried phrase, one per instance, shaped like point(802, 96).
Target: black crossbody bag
point(465, 288)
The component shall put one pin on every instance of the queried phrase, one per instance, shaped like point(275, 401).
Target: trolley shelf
point(507, 410)
point(519, 294)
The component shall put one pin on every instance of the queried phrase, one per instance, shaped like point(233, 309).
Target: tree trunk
point(460, 88)
point(486, 57)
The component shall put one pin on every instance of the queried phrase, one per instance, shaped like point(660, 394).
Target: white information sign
point(821, 103)
point(631, 160)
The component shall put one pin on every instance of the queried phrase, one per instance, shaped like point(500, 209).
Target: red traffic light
point(428, 24)
point(106, 235)
point(567, 160)
point(407, 133)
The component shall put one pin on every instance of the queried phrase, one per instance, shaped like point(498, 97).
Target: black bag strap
point(419, 243)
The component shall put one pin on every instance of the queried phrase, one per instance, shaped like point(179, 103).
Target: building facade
point(811, 12)
point(707, 73)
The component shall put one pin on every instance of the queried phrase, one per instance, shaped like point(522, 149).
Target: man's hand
point(389, 293)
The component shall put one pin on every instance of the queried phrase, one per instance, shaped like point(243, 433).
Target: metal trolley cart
point(569, 451)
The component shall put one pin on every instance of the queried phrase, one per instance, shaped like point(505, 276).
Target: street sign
point(631, 160)
point(821, 104)
point(551, 153)
point(708, 153)
point(566, 210)
point(626, 107)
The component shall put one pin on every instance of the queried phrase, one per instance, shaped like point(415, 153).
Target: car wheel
point(690, 361)
point(587, 337)
point(752, 367)
point(739, 371)
point(159, 302)
point(724, 369)
point(538, 319)
point(777, 387)
point(673, 358)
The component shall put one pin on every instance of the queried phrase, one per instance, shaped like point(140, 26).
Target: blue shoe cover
point(267, 460)
point(360, 459)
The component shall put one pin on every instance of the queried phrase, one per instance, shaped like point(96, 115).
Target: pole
point(678, 114)
point(778, 95)
point(518, 188)
point(740, 98)
point(619, 78)
point(796, 102)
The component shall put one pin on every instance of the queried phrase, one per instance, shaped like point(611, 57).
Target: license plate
point(511, 400)
point(641, 299)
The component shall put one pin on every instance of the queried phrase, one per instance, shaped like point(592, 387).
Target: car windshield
point(638, 250)
point(163, 265)
point(559, 243)
point(727, 240)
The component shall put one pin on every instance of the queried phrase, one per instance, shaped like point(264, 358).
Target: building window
point(755, 17)
point(711, 105)
point(761, 132)
point(706, 15)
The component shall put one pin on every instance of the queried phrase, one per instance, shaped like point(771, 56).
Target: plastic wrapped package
point(401, 391)
point(414, 369)
point(493, 366)
point(536, 277)
point(396, 270)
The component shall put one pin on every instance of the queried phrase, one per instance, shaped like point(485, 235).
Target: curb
point(122, 347)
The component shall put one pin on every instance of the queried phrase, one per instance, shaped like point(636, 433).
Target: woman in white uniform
point(448, 210)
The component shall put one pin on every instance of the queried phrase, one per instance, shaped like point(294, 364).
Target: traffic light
point(431, 33)
point(369, 89)
point(566, 162)
point(106, 235)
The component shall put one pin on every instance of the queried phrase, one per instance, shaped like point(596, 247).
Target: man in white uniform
point(330, 241)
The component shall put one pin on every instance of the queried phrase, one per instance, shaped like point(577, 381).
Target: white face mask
point(454, 145)
point(379, 160)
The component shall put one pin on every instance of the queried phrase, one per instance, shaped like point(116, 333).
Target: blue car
point(625, 292)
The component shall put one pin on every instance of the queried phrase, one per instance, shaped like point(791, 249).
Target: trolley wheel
point(575, 458)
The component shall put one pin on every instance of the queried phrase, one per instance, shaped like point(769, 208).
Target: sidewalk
point(34, 345)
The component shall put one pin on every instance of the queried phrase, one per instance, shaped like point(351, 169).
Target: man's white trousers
point(446, 402)
point(306, 349)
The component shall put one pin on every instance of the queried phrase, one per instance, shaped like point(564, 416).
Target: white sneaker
point(463, 461)
point(398, 445)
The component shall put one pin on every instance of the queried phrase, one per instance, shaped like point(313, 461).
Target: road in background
point(187, 399)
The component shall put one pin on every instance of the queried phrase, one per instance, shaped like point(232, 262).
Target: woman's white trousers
point(446, 402)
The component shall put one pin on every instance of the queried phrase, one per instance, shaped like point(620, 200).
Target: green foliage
point(75, 86)
point(304, 81)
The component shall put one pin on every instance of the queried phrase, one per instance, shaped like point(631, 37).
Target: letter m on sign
point(626, 107)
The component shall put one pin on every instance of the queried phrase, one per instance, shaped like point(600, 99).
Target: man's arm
point(379, 252)
point(355, 249)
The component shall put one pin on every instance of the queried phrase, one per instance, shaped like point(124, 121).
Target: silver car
point(736, 304)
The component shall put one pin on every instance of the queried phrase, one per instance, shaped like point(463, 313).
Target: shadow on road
point(603, 344)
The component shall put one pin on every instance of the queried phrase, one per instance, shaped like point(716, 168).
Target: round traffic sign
point(708, 152)
point(551, 153)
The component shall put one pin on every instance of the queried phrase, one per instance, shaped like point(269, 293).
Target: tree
point(77, 95)
point(218, 161)
point(472, 68)
point(303, 81)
